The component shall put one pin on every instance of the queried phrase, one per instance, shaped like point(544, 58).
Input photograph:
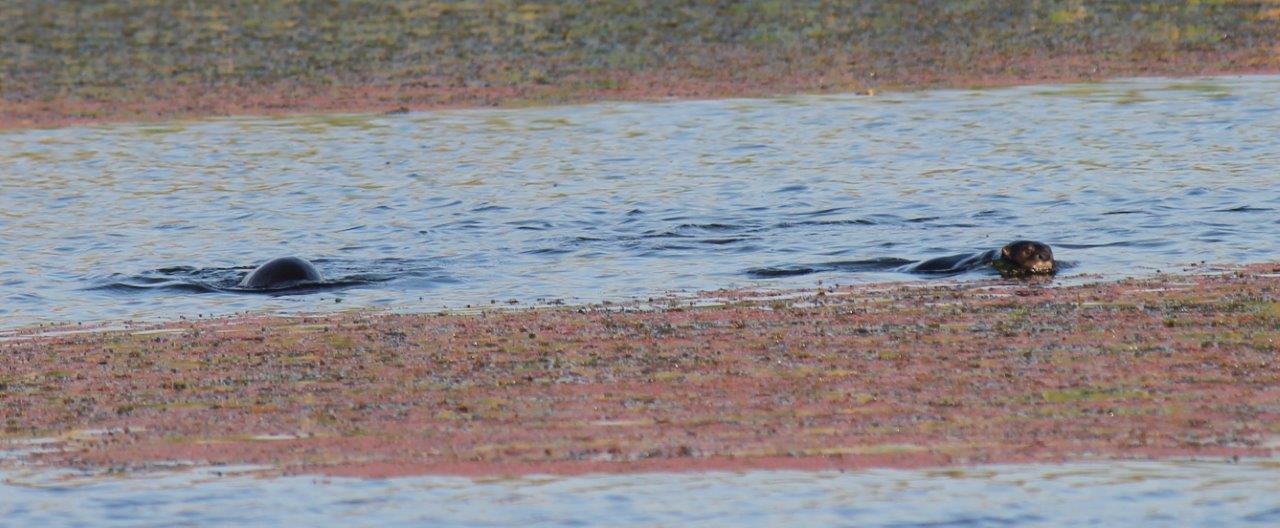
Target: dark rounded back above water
point(280, 273)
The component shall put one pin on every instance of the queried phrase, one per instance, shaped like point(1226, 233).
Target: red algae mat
point(188, 102)
point(896, 375)
point(136, 60)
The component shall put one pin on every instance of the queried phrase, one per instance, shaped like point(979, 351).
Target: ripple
point(340, 274)
point(846, 266)
point(650, 197)
point(1118, 493)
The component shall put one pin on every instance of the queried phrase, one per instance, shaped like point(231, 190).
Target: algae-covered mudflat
point(615, 293)
point(902, 375)
point(144, 59)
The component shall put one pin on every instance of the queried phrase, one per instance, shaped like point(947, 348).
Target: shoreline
point(141, 61)
point(884, 375)
point(283, 101)
point(898, 375)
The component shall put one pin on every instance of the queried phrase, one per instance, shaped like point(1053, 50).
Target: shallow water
point(1177, 493)
point(582, 203)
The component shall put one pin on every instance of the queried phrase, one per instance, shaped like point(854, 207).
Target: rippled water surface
point(1091, 494)
point(582, 203)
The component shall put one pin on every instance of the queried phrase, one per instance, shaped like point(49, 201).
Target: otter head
point(1029, 256)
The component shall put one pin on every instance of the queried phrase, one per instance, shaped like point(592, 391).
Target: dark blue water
point(609, 201)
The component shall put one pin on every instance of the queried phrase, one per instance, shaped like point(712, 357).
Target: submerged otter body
point(1020, 258)
point(1017, 259)
point(955, 263)
point(280, 273)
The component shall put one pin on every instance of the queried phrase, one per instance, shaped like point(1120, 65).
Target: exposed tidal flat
point(85, 62)
point(733, 394)
point(446, 215)
point(897, 375)
point(443, 216)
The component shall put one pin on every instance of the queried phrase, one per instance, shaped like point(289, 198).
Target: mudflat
point(139, 60)
point(894, 375)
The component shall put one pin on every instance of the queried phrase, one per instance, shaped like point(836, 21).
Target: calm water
point(1111, 494)
point(582, 203)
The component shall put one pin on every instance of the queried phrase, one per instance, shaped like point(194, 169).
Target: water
point(593, 202)
point(583, 203)
point(1170, 493)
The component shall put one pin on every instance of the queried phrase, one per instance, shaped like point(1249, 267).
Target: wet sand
point(288, 99)
point(148, 61)
point(896, 375)
point(890, 375)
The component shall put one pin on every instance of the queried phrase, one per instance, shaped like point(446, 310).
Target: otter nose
point(1044, 257)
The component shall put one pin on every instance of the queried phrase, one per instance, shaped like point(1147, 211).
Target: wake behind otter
point(846, 266)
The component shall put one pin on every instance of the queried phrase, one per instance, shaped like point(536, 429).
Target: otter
point(1016, 259)
point(280, 273)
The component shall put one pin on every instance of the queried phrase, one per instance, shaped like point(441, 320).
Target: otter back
point(280, 273)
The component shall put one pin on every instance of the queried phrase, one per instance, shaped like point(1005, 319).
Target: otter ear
point(1004, 252)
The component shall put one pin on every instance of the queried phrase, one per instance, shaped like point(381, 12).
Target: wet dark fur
point(1020, 258)
point(280, 273)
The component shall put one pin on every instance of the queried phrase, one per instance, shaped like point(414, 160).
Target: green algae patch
point(879, 449)
point(1092, 394)
point(1268, 309)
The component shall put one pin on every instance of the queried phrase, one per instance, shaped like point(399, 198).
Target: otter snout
point(1042, 263)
